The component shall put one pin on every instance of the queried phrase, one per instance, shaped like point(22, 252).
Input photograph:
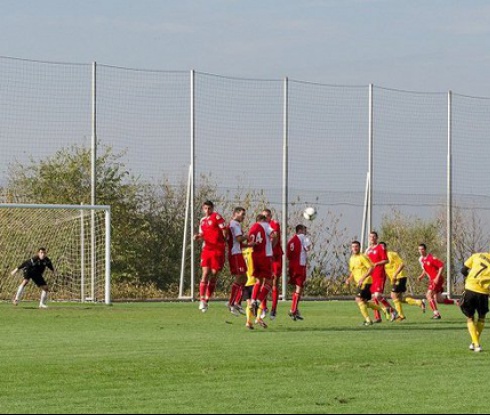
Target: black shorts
point(473, 302)
point(37, 279)
point(400, 287)
point(247, 293)
point(365, 293)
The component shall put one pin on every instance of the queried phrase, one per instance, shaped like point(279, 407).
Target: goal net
point(77, 239)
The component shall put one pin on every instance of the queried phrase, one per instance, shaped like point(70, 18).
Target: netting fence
point(279, 143)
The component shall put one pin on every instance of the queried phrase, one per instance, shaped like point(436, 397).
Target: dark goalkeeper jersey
point(35, 267)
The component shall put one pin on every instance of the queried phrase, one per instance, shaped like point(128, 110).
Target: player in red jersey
point(379, 257)
point(238, 267)
point(213, 232)
point(262, 238)
point(298, 246)
point(277, 264)
point(433, 268)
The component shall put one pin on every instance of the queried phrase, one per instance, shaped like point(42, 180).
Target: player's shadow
point(411, 328)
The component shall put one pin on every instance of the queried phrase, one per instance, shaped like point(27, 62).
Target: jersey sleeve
point(384, 254)
point(366, 261)
point(24, 265)
point(220, 221)
point(469, 263)
point(49, 264)
point(438, 263)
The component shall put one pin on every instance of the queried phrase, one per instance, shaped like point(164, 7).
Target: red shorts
point(297, 276)
point(238, 266)
point(378, 285)
point(439, 288)
point(214, 260)
point(277, 267)
point(262, 267)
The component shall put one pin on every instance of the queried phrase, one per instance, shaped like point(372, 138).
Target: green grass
point(169, 358)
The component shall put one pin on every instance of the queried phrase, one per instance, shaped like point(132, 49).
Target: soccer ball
point(309, 213)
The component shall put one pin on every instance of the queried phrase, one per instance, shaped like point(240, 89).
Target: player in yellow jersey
point(249, 286)
point(475, 298)
point(361, 269)
point(395, 270)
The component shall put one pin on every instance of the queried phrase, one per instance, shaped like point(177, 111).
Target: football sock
point(275, 298)
point(364, 310)
point(480, 327)
point(235, 288)
point(377, 314)
point(294, 306)
point(20, 291)
point(211, 289)
point(447, 301)
point(411, 301)
point(256, 291)
point(264, 292)
point(385, 303)
point(203, 287)
point(238, 298)
point(433, 305)
point(398, 307)
point(250, 316)
point(374, 307)
point(475, 338)
point(44, 297)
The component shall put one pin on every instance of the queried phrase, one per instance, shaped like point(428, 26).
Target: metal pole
point(193, 182)
point(371, 157)
point(186, 232)
point(82, 255)
point(93, 186)
point(449, 260)
point(108, 241)
point(365, 214)
point(285, 187)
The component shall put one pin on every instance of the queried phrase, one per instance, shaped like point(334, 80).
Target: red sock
point(294, 306)
point(275, 298)
point(234, 290)
point(449, 302)
point(238, 298)
point(377, 315)
point(433, 305)
point(256, 291)
point(211, 289)
point(385, 303)
point(263, 306)
point(264, 292)
point(203, 287)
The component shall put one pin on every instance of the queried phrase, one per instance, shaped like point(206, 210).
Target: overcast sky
point(426, 45)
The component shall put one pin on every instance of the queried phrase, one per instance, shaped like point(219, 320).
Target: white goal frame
point(82, 209)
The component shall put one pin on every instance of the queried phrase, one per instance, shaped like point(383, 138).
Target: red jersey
point(378, 254)
point(211, 230)
point(260, 235)
point(276, 227)
point(431, 265)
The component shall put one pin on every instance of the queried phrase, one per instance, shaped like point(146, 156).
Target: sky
point(419, 45)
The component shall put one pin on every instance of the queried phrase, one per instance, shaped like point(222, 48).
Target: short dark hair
point(261, 218)
point(423, 246)
point(208, 203)
point(239, 210)
point(300, 228)
point(41, 249)
point(356, 243)
point(374, 233)
point(384, 244)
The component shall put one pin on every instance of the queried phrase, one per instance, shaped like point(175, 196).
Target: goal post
point(83, 268)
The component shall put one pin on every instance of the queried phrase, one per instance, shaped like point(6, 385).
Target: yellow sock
point(480, 326)
point(411, 301)
point(475, 337)
point(250, 316)
point(364, 310)
point(373, 306)
point(399, 308)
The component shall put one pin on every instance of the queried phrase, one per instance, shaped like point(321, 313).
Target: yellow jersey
point(478, 279)
point(395, 263)
point(247, 254)
point(359, 265)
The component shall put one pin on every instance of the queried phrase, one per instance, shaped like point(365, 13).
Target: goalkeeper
point(33, 269)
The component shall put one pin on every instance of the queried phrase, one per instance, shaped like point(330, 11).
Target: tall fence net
point(153, 126)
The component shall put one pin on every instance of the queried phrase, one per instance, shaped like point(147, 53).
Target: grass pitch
point(169, 358)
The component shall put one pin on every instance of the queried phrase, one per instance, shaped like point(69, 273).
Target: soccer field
point(169, 358)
